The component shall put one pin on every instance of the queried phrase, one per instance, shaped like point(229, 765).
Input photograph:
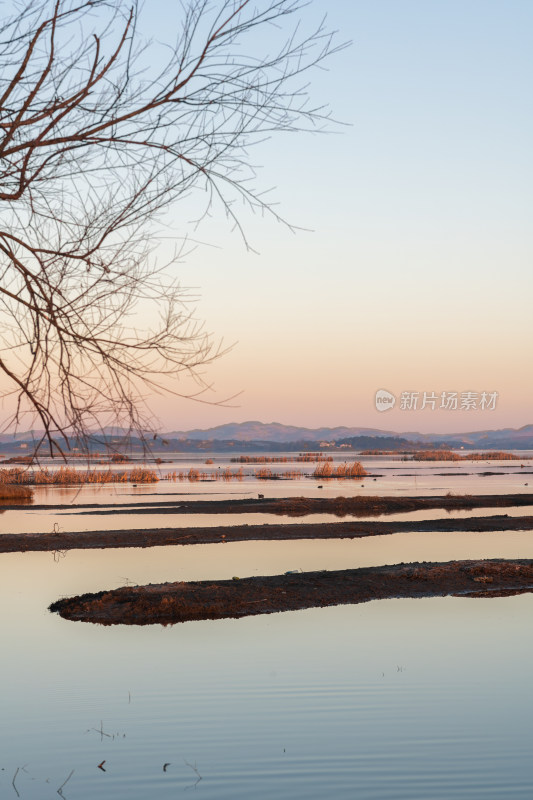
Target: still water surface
point(426, 699)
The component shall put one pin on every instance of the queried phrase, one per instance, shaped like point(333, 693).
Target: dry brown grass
point(265, 474)
point(260, 460)
point(313, 457)
point(66, 476)
point(301, 458)
point(15, 493)
point(449, 455)
point(19, 460)
point(226, 474)
point(14, 476)
point(327, 470)
point(436, 455)
point(492, 455)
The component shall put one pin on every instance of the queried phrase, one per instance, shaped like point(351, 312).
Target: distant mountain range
point(273, 432)
point(276, 432)
point(247, 436)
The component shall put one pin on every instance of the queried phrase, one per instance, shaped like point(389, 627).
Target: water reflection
point(64, 521)
point(397, 699)
point(82, 571)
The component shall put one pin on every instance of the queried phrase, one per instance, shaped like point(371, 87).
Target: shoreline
point(170, 603)
point(362, 505)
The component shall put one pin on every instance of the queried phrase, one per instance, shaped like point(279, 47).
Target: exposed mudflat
point(364, 505)
point(169, 603)
point(156, 537)
point(341, 506)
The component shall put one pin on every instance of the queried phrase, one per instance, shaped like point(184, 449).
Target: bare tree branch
point(98, 136)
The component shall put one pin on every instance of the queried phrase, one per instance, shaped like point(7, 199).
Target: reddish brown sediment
point(340, 506)
point(157, 537)
point(365, 505)
point(169, 603)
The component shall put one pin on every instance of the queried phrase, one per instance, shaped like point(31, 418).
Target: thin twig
point(13, 781)
point(59, 791)
point(193, 767)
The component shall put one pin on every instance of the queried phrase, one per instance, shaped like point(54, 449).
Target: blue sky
point(417, 275)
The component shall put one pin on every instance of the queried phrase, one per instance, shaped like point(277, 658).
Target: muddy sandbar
point(169, 603)
point(157, 537)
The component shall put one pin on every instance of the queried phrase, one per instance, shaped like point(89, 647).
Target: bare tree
point(98, 136)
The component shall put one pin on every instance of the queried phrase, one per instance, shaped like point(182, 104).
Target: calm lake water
point(409, 699)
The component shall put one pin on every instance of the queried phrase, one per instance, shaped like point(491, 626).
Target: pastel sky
point(417, 275)
point(414, 273)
